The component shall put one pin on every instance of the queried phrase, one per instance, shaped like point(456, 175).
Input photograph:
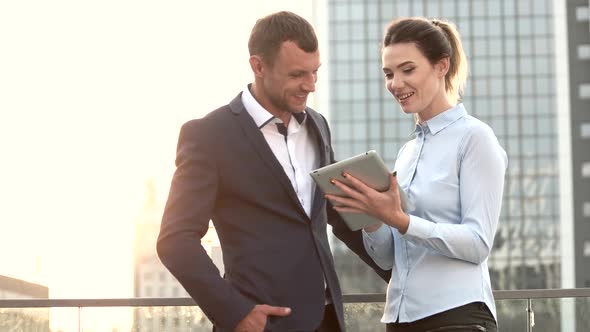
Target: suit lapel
point(256, 138)
point(319, 132)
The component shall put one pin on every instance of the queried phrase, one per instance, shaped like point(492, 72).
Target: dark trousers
point(330, 321)
point(471, 317)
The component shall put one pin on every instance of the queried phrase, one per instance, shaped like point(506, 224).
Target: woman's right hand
point(360, 198)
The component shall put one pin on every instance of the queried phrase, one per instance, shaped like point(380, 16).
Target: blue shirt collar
point(442, 120)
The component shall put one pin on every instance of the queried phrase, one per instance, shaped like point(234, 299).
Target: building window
point(584, 90)
point(582, 13)
point(162, 276)
point(586, 169)
point(584, 52)
point(586, 209)
point(585, 130)
point(148, 291)
point(586, 248)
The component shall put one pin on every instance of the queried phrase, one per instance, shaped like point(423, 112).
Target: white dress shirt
point(295, 151)
point(453, 171)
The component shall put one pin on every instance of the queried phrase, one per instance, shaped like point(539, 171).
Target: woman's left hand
point(360, 198)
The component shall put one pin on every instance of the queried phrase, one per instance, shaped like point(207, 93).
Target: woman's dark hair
point(436, 39)
point(269, 33)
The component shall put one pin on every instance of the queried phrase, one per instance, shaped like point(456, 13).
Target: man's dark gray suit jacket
point(273, 252)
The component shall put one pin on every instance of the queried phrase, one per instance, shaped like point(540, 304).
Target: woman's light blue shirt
point(453, 171)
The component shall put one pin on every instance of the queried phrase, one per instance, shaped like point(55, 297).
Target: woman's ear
point(442, 66)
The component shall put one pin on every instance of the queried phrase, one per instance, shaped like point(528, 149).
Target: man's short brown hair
point(269, 33)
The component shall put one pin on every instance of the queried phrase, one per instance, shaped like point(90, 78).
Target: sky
point(92, 96)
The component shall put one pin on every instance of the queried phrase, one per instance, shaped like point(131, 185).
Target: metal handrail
point(499, 295)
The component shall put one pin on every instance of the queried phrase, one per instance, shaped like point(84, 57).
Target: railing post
point(79, 319)
point(530, 320)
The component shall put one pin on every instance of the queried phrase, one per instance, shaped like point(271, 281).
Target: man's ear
point(256, 65)
point(442, 66)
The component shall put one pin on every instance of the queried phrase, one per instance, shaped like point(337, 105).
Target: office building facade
point(578, 76)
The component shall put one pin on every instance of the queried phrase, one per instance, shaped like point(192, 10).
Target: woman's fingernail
point(332, 182)
point(344, 175)
point(394, 173)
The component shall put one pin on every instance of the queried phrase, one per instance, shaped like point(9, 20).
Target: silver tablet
point(367, 167)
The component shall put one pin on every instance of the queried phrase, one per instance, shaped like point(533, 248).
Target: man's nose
point(309, 83)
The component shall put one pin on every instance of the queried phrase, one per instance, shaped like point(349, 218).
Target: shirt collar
point(444, 119)
point(260, 115)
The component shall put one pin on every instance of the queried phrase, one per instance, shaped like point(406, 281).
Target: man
point(246, 167)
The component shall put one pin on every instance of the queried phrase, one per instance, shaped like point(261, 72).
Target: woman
point(453, 171)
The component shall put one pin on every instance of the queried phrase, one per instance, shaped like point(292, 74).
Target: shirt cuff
point(420, 228)
point(379, 246)
point(379, 237)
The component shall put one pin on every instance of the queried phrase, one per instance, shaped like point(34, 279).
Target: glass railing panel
point(25, 320)
point(512, 315)
point(582, 307)
point(561, 314)
point(155, 319)
point(363, 317)
point(554, 310)
point(64, 319)
point(94, 319)
point(548, 314)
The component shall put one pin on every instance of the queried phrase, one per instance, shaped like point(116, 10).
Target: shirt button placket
point(417, 152)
